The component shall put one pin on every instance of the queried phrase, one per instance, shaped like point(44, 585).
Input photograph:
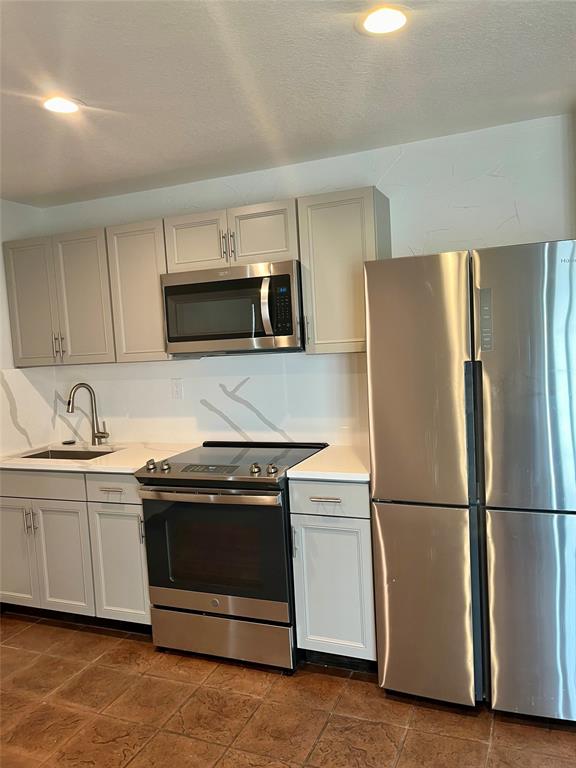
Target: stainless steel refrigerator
point(472, 389)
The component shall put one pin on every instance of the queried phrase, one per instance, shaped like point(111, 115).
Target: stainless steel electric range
point(218, 547)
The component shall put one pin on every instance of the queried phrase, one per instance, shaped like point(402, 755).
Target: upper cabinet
point(339, 231)
point(32, 302)
point(245, 235)
point(59, 299)
point(83, 287)
point(196, 241)
point(137, 258)
point(95, 296)
point(263, 232)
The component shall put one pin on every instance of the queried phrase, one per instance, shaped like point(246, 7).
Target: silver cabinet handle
point(294, 544)
point(141, 527)
point(325, 499)
point(27, 527)
point(55, 345)
point(223, 246)
point(62, 350)
point(111, 490)
point(306, 329)
point(34, 520)
point(233, 246)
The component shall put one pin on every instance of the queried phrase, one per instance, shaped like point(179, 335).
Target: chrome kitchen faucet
point(98, 435)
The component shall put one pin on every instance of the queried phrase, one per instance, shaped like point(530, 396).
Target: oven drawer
point(121, 489)
point(229, 638)
point(334, 499)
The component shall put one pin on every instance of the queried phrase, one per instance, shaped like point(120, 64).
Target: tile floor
point(80, 697)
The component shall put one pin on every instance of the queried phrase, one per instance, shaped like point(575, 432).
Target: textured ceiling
point(178, 91)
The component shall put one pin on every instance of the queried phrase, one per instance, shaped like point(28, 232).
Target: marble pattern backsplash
point(260, 397)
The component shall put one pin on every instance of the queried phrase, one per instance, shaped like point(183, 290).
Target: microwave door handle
point(265, 307)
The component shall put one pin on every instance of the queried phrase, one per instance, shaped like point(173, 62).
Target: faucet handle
point(102, 434)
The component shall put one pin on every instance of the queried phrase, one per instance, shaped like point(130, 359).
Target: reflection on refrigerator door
point(422, 573)
point(532, 591)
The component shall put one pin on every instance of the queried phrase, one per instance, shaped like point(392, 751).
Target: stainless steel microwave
point(250, 308)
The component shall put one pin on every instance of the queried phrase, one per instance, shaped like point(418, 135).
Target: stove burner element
point(216, 469)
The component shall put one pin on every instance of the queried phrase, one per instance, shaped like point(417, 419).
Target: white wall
point(513, 183)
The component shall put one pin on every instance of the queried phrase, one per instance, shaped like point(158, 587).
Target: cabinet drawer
point(122, 489)
point(324, 498)
point(24, 483)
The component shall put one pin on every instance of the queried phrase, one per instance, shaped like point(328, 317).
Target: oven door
point(222, 552)
point(253, 307)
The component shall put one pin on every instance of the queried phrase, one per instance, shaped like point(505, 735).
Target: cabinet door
point(196, 241)
point(84, 304)
point(18, 572)
point(333, 585)
point(337, 235)
point(263, 232)
point(119, 557)
point(137, 259)
point(31, 288)
point(63, 555)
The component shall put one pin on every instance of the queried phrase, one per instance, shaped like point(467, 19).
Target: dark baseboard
point(333, 660)
point(74, 618)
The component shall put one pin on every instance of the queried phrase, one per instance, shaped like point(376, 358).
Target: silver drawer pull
point(325, 500)
point(111, 490)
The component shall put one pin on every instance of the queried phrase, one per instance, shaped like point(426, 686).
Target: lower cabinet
point(18, 567)
point(333, 585)
point(119, 561)
point(84, 557)
point(46, 555)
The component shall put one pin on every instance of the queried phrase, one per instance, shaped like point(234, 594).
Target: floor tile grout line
point(400, 748)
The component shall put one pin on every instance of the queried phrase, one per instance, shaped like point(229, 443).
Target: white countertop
point(337, 462)
point(126, 458)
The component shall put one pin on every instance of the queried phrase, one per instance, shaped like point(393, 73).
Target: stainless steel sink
point(63, 454)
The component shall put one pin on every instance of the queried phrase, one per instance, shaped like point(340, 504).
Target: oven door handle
point(232, 499)
point(265, 306)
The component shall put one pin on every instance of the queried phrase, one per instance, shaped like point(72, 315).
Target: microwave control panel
point(281, 306)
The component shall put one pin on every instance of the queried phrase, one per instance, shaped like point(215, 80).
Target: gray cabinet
point(60, 529)
point(339, 231)
point(59, 299)
point(263, 232)
point(84, 307)
point(245, 235)
point(332, 560)
point(196, 241)
point(137, 258)
point(32, 301)
point(119, 558)
point(333, 585)
point(18, 567)
point(45, 554)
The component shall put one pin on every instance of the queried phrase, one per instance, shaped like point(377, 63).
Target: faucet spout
point(98, 434)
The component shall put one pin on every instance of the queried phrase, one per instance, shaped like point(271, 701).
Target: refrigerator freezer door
point(424, 608)
point(418, 341)
point(532, 602)
point(525, 320)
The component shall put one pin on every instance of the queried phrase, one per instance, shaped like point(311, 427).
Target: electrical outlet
point(177, 389)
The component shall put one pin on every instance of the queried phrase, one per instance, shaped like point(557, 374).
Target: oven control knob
point(272, 469)
point(165, 467)
point(255, 469)
point(151, 465)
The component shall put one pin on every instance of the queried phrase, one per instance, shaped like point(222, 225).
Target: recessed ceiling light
point(383, 20)
point(60, 104)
